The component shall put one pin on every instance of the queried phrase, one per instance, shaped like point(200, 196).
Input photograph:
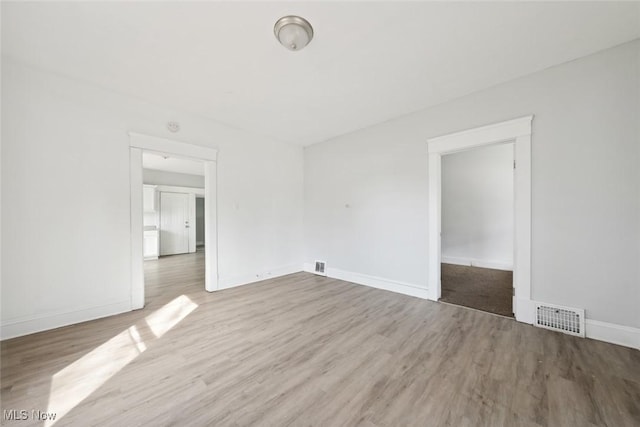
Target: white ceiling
point(368, 62)
point(166, 162)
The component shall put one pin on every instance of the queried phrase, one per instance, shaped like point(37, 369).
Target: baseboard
point(482, 263)
point(12, 328)
point(373, 281)
point(610, 332)
point(525, 310)
point(602, 331)
point(232, 282)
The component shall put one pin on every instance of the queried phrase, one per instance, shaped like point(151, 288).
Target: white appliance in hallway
point(174, 223)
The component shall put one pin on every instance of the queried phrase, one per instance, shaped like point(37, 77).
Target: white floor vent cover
point(561, 319)
point(321, 268)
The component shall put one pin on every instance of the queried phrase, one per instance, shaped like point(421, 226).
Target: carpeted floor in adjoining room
point(480, 288)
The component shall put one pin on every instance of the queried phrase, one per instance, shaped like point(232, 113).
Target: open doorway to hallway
point(174, 218)
point(139, 143)
point(477, 241)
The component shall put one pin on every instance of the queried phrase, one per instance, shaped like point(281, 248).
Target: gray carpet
point(480, 288)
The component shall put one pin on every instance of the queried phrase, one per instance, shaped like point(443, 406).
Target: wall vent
point(321, 268)
point(562, 319)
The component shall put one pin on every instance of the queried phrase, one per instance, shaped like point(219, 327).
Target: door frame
point(139, 143)
point(518, 131)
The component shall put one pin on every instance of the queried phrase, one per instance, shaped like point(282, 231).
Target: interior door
point(174, 223)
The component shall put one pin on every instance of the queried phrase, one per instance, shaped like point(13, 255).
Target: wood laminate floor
point(305, 350)
point(484, 289)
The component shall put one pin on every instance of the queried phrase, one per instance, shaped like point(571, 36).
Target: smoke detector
point(173, 127)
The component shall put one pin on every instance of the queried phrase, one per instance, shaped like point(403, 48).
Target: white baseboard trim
point(613, 333)
point(17, 327)
point(525, 310)
point(373, 281)
point(483, 263)
point(232, 282)
point(602, 331)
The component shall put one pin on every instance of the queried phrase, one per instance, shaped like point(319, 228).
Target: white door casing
point(518, 131)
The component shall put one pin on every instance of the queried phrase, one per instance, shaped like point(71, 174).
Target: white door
point(174, 223)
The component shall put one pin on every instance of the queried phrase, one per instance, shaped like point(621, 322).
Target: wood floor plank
point(306, 350)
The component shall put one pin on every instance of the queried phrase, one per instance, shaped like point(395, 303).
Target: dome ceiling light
point(293, 32)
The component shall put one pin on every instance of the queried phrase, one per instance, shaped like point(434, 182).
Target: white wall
point(158, 177)
point(65, 189)
point(585, 185)
point(477, 207)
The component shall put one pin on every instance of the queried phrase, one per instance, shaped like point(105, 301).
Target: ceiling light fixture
point(293, 32)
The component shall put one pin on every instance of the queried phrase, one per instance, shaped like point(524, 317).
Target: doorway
point(518, 131)
point(139, 143)
point(477, 228)
point(175, 269)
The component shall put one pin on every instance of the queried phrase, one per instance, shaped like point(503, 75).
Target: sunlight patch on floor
point(168, 316)
point(77, 381)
